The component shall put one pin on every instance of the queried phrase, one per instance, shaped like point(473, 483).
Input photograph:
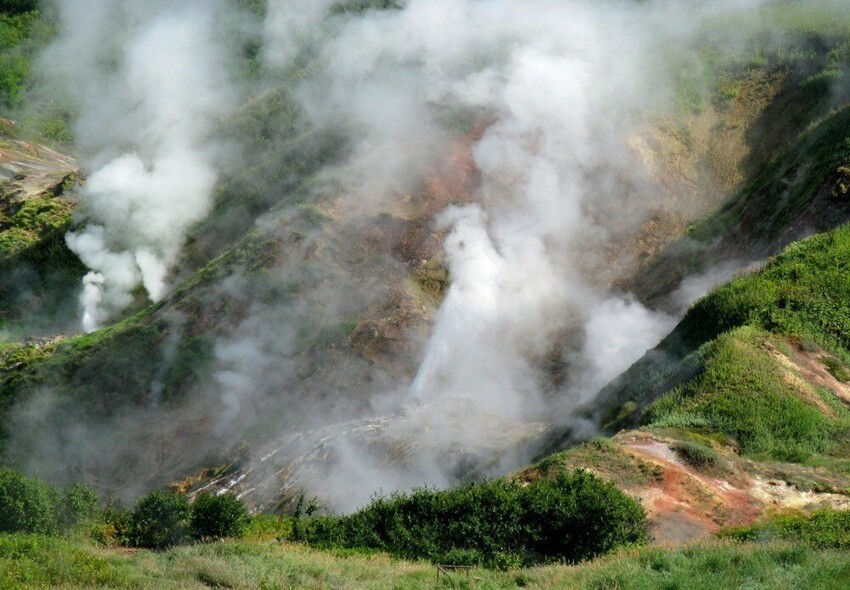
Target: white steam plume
point(566, 82)
point(560, 86)
point(547, 92)
point(149, 80)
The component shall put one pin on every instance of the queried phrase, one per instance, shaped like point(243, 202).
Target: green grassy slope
point(38, 562)
point(719, 372)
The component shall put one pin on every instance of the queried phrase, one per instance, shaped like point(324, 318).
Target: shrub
point(696, 455)
point(32, 505)
point(502, 523)
point(159, 520)
point(113, 526)
point(22, 31)
point(216, 517)
point(80, 505)
point(28, 505)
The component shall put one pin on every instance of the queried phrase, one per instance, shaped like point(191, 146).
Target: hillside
point(358, 252)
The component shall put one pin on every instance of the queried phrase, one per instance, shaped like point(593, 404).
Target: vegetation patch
point(218, 516)
point(159, 520)
point(824, 529)
point(803, 291)
point(32, 221)
point(742, 393)
point(37, 271)
point(22, 33)
point(31, 505)
point(700, 457)
point(502, 523)
point(603, 457)
point(358, 6)
point(837, 369)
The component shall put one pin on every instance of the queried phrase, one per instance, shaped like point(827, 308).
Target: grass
point(38, 562)
point(823, 529)
point(744, 394)
point(718, 566)
point(837, 370)
point(718, 372)
point(603, 456)
point(803, 292)
point(700, 457)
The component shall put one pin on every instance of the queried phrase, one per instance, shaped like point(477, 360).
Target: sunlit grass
point(37, 562)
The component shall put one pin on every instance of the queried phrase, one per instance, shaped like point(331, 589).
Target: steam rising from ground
point(554, 87)
point(564, 83)
point(150, 80)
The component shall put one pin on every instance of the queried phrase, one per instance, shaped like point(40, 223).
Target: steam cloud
point(546, 93)
point(565, 83)
point(150, 80)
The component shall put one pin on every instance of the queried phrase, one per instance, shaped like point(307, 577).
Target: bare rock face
point(29, 170)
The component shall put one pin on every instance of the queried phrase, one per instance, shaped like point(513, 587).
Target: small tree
point(27, 505)
point(159, 520)
point(216, 517)
point(80, 505)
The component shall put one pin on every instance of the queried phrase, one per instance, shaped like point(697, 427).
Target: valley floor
point(39, 562)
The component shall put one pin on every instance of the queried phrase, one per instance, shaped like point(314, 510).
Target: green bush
point(112, 527)
point(159, 520)
point(572, 517)
point(28, 505)
point(21, 33)
point(31, 505)
point(80, 505)
point(217, 517)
